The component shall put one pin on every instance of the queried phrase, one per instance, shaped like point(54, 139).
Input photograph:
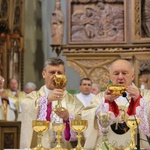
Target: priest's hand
point(133, 92)
point(110, 97)
point(56, 94)
point(4, 95)
point(64, 114)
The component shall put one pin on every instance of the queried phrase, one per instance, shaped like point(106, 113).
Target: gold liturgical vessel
point(59, 82)
point(116, 89)
point(79, 126)
point(105, 121)
point(40, 126)
point(58, 127)
point(132, 123)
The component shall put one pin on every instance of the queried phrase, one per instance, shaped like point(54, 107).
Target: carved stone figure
point(57, 24)
point(146, 17)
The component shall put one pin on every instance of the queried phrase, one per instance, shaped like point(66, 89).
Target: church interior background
point(95, 33)
point(113, 29)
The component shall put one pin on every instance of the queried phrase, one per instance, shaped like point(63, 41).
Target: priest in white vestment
point(85, 95)
point(135, 103)
point(39, 105)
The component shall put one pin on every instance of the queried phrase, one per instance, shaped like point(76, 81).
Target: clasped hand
point(57, 95)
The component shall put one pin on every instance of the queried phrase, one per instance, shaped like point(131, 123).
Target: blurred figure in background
point(85, 94)
point(6, 105)
point(95, 88)
point(29, 87)
point(15, 95)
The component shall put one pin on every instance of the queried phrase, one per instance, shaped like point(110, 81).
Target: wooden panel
point(9, 134)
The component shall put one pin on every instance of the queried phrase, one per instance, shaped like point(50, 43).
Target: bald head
point(122, 61)
point(122, 72)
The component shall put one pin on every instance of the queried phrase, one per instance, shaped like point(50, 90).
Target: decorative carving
point(4, 30)
point(98, 49)
point(144, 66)
point(9, 140)
point(4, 8)
point(57, 48)
point(100, 76)
point(87, 1)
point(97, 22)
point(17, 17)
point(15, 57)
point(145, 12)
point(137, 19)
point(97, 70)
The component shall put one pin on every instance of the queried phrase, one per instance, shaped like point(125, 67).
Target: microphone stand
point(124, 94)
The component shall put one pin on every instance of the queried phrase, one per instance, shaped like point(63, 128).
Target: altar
point(10, 134)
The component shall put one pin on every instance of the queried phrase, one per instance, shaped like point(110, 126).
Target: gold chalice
point(59, 83)
point(40, 126)
point(79, 126)
point(105, 121)
point(132, 123)
point(58, 127)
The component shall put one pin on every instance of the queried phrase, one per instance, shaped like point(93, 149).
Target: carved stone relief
point(97, 22)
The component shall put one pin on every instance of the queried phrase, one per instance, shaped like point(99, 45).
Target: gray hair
point(97, 85)
point(53, 61)
point(29, 85)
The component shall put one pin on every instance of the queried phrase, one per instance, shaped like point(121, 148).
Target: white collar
point(47, 91)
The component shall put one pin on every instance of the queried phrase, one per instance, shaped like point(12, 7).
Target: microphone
point(124, 94)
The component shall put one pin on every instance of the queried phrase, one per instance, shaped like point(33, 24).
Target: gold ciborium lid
point(116, 89)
